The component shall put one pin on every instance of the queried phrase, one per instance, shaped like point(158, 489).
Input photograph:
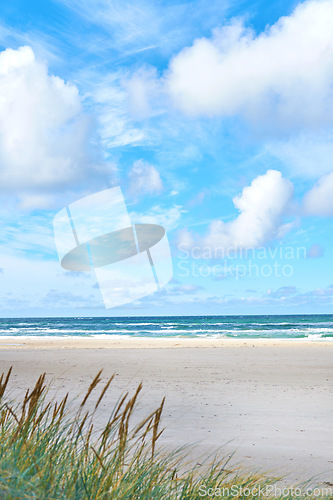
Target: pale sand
point(269, 401)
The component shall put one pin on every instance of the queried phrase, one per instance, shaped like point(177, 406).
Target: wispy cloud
point(306, 155)
point(44, 45)
point(110, 101)
point(28, 236)
point(132, 28)
point(319, 200)
point(55, 298)
point(282, 293)
point(168, 217)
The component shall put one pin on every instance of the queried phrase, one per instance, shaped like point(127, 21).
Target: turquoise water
point(312, 327)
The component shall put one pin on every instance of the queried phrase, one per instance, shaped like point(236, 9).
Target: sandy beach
point(270, 402)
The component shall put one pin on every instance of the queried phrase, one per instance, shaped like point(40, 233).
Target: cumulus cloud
point(319, 200)
point(144, 179)
point(43, 130)
point(283, 75)
point(262, 206)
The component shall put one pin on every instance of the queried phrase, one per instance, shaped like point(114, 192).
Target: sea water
point(308, 327)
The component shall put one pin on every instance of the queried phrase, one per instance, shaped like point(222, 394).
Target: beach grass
point(50, 451)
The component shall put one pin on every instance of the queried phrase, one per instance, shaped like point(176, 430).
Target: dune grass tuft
point(47, 452)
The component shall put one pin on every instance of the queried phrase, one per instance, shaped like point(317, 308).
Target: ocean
point(309, 327)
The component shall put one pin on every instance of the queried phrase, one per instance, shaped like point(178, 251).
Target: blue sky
point(215, 118)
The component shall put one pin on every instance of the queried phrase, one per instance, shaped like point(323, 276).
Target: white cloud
point(135, 27)
point(319, 200)
point(144, 179)
point(262, 206)
point(43, 131)
point(283, 76)
point(145, 93)
point(167, 217)
point(38, 201)
point(308, 155)
point(110, 98)
point(43, 44)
